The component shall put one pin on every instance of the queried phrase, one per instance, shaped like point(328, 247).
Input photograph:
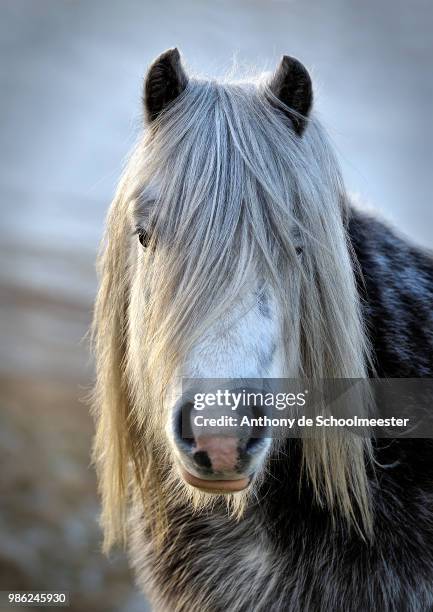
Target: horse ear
point(291, 84)
point(164, 82)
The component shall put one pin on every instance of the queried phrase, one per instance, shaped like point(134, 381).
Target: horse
point(233, 250)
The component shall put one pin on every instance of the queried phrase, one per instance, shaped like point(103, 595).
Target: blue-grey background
point(70, 84)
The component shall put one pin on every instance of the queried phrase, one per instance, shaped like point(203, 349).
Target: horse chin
point(215, 486)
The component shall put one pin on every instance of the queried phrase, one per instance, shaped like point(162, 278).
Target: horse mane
point(226, 185)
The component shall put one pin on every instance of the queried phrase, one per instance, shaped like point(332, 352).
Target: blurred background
point(70, 85)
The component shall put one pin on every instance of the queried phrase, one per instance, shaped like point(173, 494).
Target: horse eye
point(144, 238)
point(299, 250)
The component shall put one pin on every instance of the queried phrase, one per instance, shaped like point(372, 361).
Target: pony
point(233, 250)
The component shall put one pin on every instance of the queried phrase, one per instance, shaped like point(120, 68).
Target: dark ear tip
point(170, 54)
point(170, 57)
point(291, 63)
point(288, 59)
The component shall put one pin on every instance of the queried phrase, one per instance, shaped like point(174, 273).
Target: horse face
point(244, 339)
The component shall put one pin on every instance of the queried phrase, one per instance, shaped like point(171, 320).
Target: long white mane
point(228, 190)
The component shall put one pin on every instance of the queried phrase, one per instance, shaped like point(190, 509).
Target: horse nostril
point(182, 424)
point(253, 444)
point(201, 458)
point(255, 441)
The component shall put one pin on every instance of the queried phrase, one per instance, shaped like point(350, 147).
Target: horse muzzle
point(215, 453)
